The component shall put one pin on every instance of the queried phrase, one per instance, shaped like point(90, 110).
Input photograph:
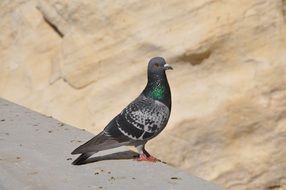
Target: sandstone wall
point(82, 61)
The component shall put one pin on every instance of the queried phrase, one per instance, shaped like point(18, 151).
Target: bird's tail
point(98, 143)
point(82, 158)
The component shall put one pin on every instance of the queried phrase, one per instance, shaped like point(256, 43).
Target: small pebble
point(175, 178)
point(61, 124)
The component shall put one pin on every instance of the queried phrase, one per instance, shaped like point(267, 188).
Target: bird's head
point(158, 65)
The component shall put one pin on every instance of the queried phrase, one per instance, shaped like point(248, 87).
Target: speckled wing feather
point(142, 119)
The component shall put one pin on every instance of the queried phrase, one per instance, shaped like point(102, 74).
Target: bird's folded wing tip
point(75, 152)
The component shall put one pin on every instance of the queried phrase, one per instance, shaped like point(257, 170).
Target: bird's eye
point(157, 65)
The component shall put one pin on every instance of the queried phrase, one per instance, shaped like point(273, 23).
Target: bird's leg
point(144, 155)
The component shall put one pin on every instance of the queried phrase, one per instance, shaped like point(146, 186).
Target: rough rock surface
point(82, 61)
point(35, 155)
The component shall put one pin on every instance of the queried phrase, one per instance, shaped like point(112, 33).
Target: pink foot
point(143, 157)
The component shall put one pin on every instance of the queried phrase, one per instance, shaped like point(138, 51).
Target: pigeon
point(143, 119)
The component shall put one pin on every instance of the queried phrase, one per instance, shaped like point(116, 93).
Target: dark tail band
point(82, 158)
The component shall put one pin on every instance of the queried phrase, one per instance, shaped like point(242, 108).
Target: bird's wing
point(142, 119)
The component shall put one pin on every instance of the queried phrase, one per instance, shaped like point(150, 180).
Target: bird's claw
point(143, 157)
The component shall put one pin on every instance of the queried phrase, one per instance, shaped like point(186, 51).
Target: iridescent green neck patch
point(158, 92)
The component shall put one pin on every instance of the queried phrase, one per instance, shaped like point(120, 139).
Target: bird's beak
point(168, 67)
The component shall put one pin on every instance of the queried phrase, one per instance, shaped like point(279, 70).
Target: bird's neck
point(158, 88)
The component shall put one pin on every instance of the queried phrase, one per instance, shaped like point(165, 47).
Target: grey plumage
point(143, 119)
point(145, 116)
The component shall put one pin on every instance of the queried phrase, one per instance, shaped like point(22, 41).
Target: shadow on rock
point(114, 156)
